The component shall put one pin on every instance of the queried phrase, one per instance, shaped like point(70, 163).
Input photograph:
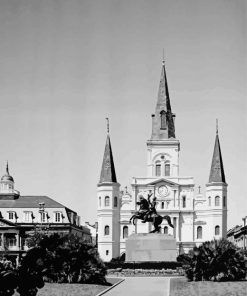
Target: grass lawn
point(52, 289)
point(180, 287)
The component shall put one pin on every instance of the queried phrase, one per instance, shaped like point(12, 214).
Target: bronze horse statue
point(147, 213)
point(154, 218)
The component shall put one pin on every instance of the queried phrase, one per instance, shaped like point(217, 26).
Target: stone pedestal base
point(143, 247)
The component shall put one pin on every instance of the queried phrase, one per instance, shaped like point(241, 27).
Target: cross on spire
point(108, 126)
point(217, 130)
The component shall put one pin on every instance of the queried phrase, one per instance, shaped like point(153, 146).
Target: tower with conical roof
point(216, 193)
point(108, 206)
point(163, 147)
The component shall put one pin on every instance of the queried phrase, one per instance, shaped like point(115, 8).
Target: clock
point(163, 190)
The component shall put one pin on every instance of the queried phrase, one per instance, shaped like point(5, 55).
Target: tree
point(218, 260)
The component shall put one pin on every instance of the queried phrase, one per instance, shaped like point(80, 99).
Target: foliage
point(218, 260)
point(143, 265)
point(26, 278)
point(71, 260)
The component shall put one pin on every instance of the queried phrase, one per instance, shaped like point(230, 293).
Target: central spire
point(163, 122)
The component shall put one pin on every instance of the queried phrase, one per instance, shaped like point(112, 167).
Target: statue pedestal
point(143, 247)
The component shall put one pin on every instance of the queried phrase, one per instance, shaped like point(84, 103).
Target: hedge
point(144, 265)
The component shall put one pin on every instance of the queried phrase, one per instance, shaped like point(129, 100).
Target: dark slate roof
point(163, 105)
point(217, 173)
point(30, 202)
point(108, 173)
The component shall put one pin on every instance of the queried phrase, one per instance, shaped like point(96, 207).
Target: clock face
point(163, 190)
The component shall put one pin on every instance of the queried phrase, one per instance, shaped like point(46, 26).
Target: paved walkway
point(142, 286)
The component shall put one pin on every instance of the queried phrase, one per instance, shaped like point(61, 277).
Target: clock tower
point(163, 147)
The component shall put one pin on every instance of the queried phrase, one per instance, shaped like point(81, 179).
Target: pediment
point(164, 181)
point(6, 223)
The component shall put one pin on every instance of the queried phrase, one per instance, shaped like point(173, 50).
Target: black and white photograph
point(123, 156)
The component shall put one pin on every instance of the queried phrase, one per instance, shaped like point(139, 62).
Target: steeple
point(163, 123)
point(217, 169)
point(108, 173)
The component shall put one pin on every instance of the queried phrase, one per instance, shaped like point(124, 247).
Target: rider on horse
point(144, 207)
point(152, 209)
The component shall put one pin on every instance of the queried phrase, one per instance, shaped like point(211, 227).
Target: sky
point(67, 65)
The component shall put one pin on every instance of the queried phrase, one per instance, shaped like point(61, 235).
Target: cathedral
point(196, 217)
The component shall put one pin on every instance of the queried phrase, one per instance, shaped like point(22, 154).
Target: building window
point(125, 231)
point(158, 169)
point(199, 232)
point(162, 205)
point(217, 201)
point(184, 201)
point(224, 201)
point(27, 216)
point(58, 217)
point(107, 201)
point(100, 201)
point(167, 169)
point(115, 201)
point(11, 215)
point(107, 230)
point(107, 252)
point(162, 119)
point(217, 230)
point(209, 201)
point(165, 230)
point(42, 217)
point(12, 241)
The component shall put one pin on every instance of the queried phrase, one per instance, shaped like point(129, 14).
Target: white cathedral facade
point(196, 217)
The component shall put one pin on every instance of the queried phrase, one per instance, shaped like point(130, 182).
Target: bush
point(216, 261)
point(71, 260)
point(143, 265)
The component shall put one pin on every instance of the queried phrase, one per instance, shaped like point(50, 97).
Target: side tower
point(163, 147)
point(216, 195)
point(108, 210)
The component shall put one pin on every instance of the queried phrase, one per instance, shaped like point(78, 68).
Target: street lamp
point(244, 220)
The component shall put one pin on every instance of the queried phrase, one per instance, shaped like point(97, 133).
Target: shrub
point(71, 260)
point(143, 265)
point(218, 260)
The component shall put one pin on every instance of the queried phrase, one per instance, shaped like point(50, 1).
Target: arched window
point(125, 231)
point(162, 205)
point(217, 201)
point(165, 230)
point(167, 169)
point(209, 201)
point(100, 201)
point(107, 230)
point(158, 168)
point(217, 230)
point(199, 232)
point(115, 201)
point(162, 119)
point(107, 252)
point(224, 201)
point(184, 201)
point(107, 201)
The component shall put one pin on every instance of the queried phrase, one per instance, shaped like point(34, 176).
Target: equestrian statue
point(147, 213)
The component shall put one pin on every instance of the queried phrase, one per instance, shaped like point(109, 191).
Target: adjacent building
point(23, 215)
point(196, 217)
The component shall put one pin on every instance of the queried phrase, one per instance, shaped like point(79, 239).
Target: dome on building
point(6, 177)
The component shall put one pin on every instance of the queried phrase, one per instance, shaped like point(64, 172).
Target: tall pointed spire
point(108, 173)
point(7, 168)
point(217, 173)
point(163, 122)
